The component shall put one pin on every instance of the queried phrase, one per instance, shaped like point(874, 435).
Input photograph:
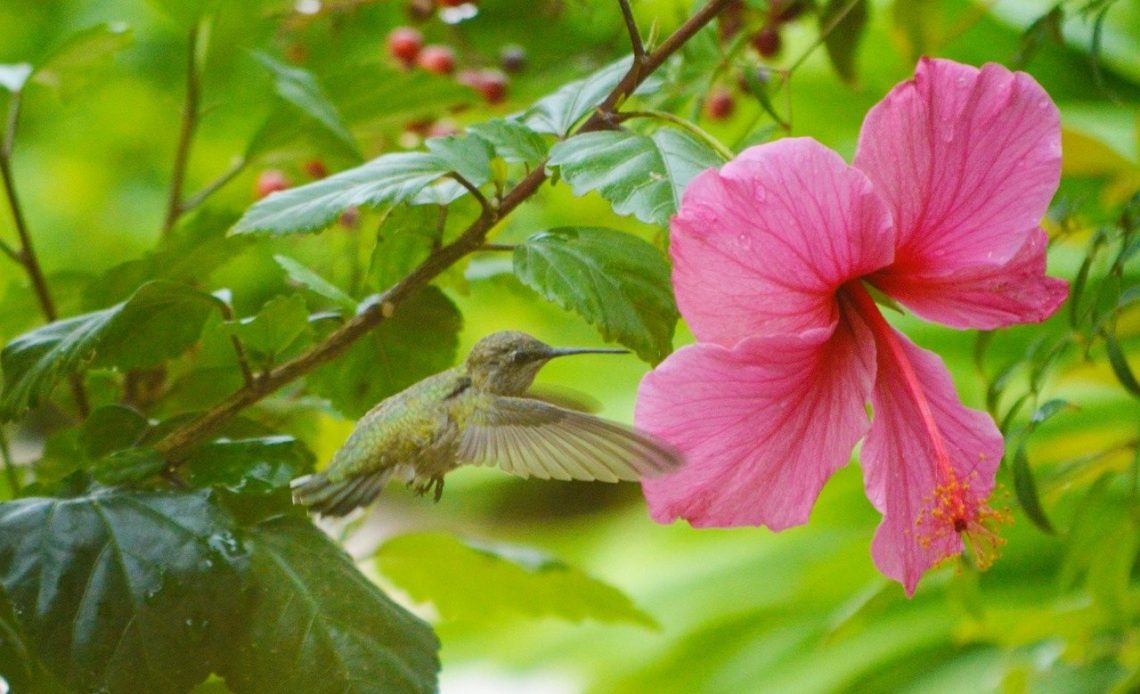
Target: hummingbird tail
point(338, 498)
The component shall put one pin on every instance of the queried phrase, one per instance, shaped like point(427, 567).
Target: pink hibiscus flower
point(773, 256)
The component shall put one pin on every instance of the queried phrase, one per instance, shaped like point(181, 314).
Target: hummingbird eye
point(518, 356)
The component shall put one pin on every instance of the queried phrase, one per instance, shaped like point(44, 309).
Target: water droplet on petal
point(743, 240)
point(961, 81)
point(1043, 103)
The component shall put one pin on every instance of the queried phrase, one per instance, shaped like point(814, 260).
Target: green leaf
point(126, 466)
point(419, 340)
point(480, 583)
point(318, 625)
point(1119, 363)
point(405, 240)
point(13, 76)
point(300, 88)
point(245, 466)
point(512, 140)
point(281, 326)
point(123, 591)
point(616, 281)
point(111, 428)
point(918, 23)
point(642, 175)
point(386, 180)
point(1026, 488)
point(467, 155)
point(557, 113)
point(157, 322)
point(844, 36)
point(185, 12)
point(374, 92)
point(81, 59)
point(316, 284)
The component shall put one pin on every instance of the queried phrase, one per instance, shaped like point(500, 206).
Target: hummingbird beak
point(567, 351)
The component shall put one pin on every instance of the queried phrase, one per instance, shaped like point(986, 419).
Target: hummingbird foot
point(435, 482)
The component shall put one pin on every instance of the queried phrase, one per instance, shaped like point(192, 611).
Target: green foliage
point(512, 140)
point(157, 322)
point(557, 113)
point(418, 341)
point(249, 466)
point(471, 581)
point(846, 20)
point(280, 327)
point(299, 88)
point(642, 175)
point(318, 625)
point(615, 281)
point(137, 592)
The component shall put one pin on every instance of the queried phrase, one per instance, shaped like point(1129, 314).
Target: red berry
point(786, 10)
point(442, 128)
point(512, 58)
point(494, 86)
point(270, 181)
point(453, 3)
point(297, 53)
point(730, 20)
point(404, 44)
point(719, 104)
point(767, 41)
point(315, 168)
point(437, 59)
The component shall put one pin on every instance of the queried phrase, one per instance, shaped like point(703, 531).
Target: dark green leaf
point(301, 89)
point(512, 140)
point(405, 240)
point(420, 339)
point(481, 583)
point(1026, 488)
point(316, 284)
point(243, 466)
point(918, 21)
point(843, 37)
point(139, 592)
point(375, 92)
point(14, 75)
point(1119, 363)
point(158, 321)
point(81, 59)
point(318, 625)
point(386, 180)
point(616, 281)
point(281, 325)
point(111, 428)
point(131, 465)
point(1045, 29)
point(557, 113)
point(642, 175)
point(467, 155)
point(1046, 411)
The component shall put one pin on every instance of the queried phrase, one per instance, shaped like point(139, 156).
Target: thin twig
point(11, 252)
point(381, 307)
point(9, 465)
point(634, 34)
point(496, 247)
point(185, 134)
point(239, 348)
point(685, 124)
point(488, 208)
point(823, 34)
point(27, 253)
point(214, 186)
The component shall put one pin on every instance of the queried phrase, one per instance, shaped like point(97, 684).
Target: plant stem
point(26, 255)
point(384, 305)
point(634, 34)
point(214, 186)
point(185, 134)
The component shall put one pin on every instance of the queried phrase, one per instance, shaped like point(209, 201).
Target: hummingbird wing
point(531, 438)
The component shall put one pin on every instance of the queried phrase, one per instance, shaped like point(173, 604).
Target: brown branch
point(384, 305)
point(634, 34)
point(185, 134)
point(239, 348)
point(26, 255)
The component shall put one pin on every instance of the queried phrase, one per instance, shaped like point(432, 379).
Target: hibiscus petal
point(762, 425)
point(760, 246)
point(902, 474)
point(983, 296)
point(967, 161)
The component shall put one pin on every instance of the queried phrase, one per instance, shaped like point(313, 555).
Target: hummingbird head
point(506, 362)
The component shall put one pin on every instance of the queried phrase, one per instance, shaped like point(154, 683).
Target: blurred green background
point(740, 610)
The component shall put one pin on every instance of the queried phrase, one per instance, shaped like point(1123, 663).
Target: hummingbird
point(481, 412)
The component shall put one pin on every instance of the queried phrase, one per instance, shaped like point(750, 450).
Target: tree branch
point(26, 255)
point(634, 34)
point(185, 134)
point(384, 305)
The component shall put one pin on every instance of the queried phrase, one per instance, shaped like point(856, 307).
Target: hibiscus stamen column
point(952, 507)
